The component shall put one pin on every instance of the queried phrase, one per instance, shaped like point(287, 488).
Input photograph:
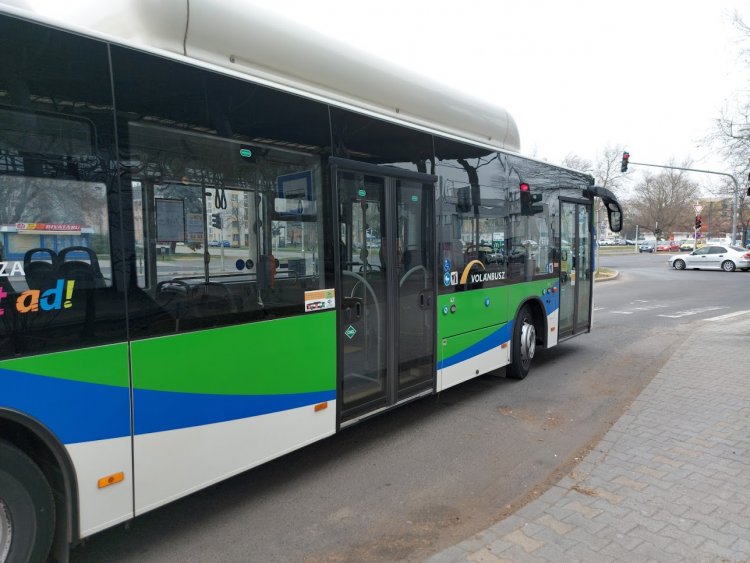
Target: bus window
point(474, 222)
point(227, 216)
point(222, 239)
point(56, 275)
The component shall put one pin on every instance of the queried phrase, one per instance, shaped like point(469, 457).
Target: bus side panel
point(83, 398)
point(552, 306)
point(467, 355)
point(211, 404)
point(473, 334)
point(470, 343)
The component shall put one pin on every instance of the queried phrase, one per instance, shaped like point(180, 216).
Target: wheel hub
point(528, 342)
point(6, 531)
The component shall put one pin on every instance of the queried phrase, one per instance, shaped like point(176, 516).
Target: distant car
point(629, 242)
point(646, 247)
point(485, 253)
point(663, 247)
point(224, 243)
point(713, 257)
point(674, 246)
point(687, 245)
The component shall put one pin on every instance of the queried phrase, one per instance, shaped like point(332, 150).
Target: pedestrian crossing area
point(671, 311)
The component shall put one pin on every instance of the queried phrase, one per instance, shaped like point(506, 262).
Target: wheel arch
point(539, 315)
point(42, 446)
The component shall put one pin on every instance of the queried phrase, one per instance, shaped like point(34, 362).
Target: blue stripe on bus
point(494, 340)
point(74, 411)
point(157, 411)
point(77, 411)
point(552, 300)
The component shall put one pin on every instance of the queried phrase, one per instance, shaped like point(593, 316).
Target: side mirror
point(614, 211)
point(615, 218)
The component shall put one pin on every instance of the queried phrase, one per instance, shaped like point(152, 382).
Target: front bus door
point(576, 278)
point(386, 283)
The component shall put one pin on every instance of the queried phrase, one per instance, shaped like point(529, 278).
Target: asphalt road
point(413, 481)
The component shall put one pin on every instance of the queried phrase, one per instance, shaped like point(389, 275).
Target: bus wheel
point(27, 509)
point(524, 344)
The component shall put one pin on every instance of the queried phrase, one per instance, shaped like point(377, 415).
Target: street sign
point(698, 208)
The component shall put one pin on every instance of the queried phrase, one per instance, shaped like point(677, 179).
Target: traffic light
point(625, 159)
point(216, 220)
point(698, 222)
point(530, 203)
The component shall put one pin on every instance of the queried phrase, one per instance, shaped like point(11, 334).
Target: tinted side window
point(57, 283)
point(474, 218)
point(226, 194)
point(535, 190)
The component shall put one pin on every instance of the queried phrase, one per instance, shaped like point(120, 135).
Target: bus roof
point(247, 39)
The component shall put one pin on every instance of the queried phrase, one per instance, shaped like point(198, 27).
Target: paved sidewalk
point(670, 481)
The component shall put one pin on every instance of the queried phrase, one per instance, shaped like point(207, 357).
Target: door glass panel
point(364, 292)
point(575, 268)
point(415, 255)
point(583, 285)
point(567, 266)
point(387, 264)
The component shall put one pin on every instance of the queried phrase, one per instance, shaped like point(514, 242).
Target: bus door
point(386, 283)
point(576, 277)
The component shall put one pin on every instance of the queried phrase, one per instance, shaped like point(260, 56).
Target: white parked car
point(713, 257)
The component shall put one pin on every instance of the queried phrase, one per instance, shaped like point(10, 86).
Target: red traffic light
point(625, 159)
point(524, 187)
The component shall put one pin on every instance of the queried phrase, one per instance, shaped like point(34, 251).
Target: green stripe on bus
point(481, 308)
point(105, 365)
point(291, 355)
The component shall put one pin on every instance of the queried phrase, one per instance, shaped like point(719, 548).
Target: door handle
point(352, 308)
point(425, 299)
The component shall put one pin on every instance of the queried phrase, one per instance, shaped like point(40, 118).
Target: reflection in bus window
point(223, 231)
point(56, 276)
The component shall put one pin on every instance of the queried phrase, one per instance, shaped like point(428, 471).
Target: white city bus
point(224, 237)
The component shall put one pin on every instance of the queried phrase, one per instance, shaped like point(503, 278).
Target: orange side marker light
point(321, 406)
point(111, 479)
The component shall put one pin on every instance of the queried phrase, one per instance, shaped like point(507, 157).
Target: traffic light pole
point(735, 200)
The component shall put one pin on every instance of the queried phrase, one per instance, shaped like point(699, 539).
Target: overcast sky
point(650, 75)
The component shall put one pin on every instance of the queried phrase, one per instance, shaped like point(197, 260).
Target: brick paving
point(670, 481)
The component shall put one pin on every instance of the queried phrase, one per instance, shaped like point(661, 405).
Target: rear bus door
point(576, 277)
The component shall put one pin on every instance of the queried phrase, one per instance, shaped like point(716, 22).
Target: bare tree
point(731, 136)
point(607, 168)
point(665, 199)
point(577, 162)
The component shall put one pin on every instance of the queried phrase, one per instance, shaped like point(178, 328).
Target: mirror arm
point(610, 202)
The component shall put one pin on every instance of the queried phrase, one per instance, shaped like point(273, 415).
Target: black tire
point(679, 264)
point(27, 509)
point(728, 266)
point(523, 347)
